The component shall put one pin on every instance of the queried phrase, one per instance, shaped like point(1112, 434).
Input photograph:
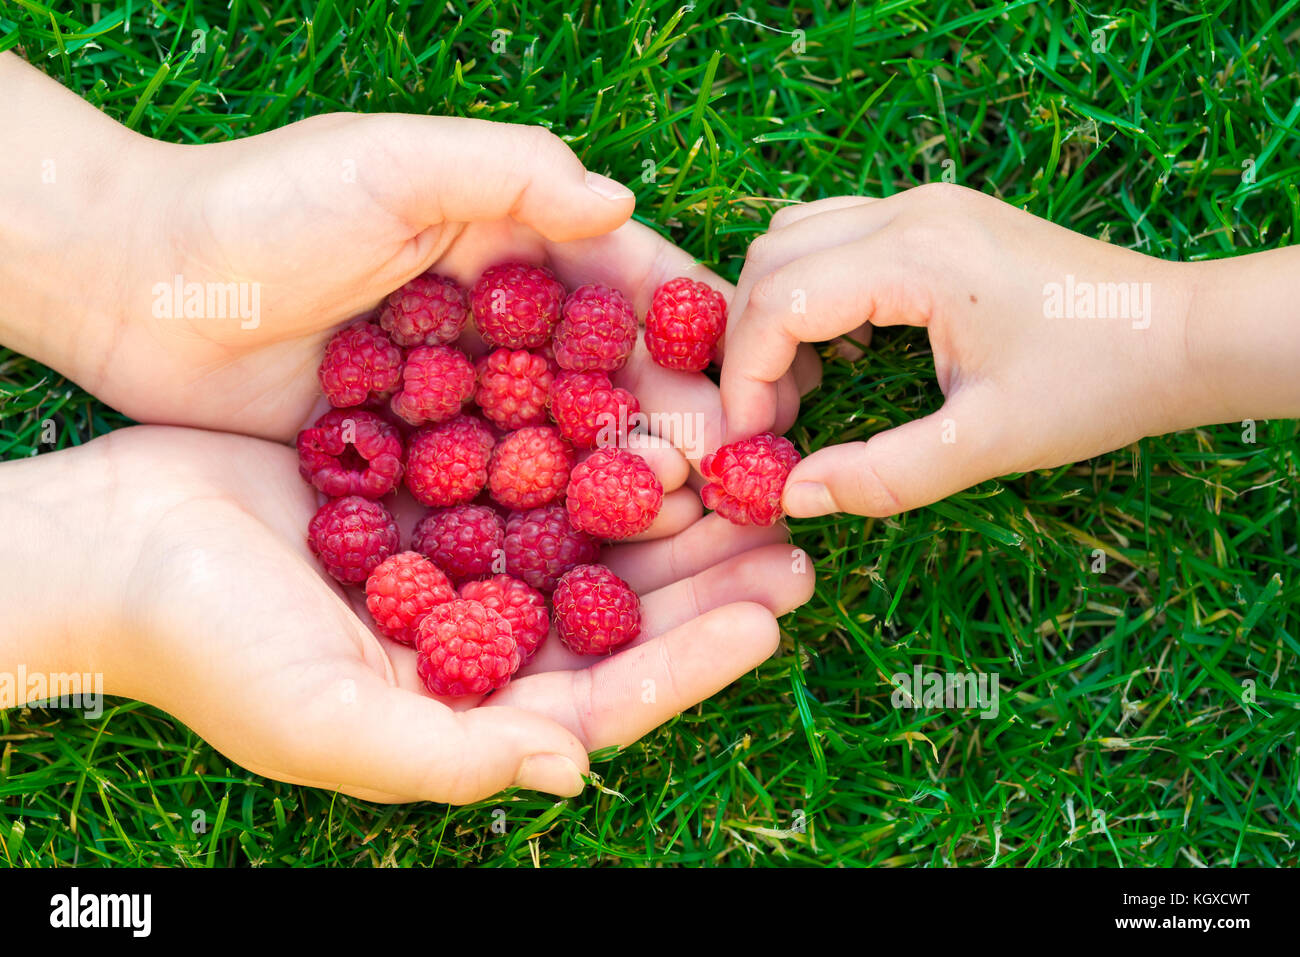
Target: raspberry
point(436, 382)
point(521, 605)
point(352, 535)
point(595, 610)
point(541, 546)
point(359, 362)
point(746, 478)
point(463, 541)
point(430, 310)
point(516, 305)
point(530, 467)
point(448, 463)
point(401, 591)
point(513, 388)
point(465, 648)
point(613, 494)
point(351, 452)
point(590, 410)
point(685, 321)
point(597, 330)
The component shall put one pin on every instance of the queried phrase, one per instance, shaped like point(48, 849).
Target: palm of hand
point(276, 666)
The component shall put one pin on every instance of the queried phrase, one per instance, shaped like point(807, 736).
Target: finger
point(809, 300)
point(711, 540)
point(796, 212)
point(778, 577)
point(620, 698)
point(362, 732)
point(807, 369)
point(436, 169)
point(683, 408)
point(912, 465)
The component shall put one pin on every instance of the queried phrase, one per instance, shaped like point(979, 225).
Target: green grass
point(1125, 736)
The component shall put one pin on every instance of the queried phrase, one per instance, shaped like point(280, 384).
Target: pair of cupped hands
point(213, 607)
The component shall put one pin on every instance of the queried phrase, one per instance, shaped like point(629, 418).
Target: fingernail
point(808, 499)
point(609, 189)
point(552, 773)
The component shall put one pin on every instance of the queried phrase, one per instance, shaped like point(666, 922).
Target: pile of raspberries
point(517, 458)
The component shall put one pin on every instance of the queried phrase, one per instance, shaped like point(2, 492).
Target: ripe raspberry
point(530, 467)
point(746, 479)
point(513, 388)
point(595, 610)
point(359, 362)
point(590, 410)
point(465, 648)
point(351, 452)
point(463, 540)
point(400, 592)
point(685, 321)
point(516, 305)
point(448, 463)
point(597, 330)
point(430, 310)
point(352, 535)
point(436, 382)
point(521, 605)
point(613, 494)
point(541, 546)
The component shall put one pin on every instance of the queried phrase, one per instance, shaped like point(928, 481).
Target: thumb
point(436, 169)
point(906, 467)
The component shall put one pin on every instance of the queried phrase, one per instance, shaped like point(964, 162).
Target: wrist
point(58, 615)
point(1243, 336)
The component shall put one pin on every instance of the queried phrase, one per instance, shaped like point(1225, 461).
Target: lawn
point(1139, 610)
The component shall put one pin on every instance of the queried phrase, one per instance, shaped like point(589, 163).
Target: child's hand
point(1024, 389)
point(189, 584)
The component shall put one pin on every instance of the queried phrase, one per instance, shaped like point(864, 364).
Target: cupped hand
point(226, 620)
point(1027, 384)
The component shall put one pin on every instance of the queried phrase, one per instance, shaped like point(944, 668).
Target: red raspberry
point(746, 479)
point(516, 305)
point(352, 535)
point(595, 610)
point(530, 467)
point(448, 463)
point(685, 321)
point(436, 382)
point(521, 605)
point(613, 494)
point(465, 648)
point(359, 362)
point(597, 330)
point(541, 546)
point(464, 541)
point(351, 452)
point(513, 388)
point(591, 411)
point(430, 310)
point(401, 591)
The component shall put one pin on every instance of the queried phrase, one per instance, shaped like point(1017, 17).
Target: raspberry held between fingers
point(746, 478)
